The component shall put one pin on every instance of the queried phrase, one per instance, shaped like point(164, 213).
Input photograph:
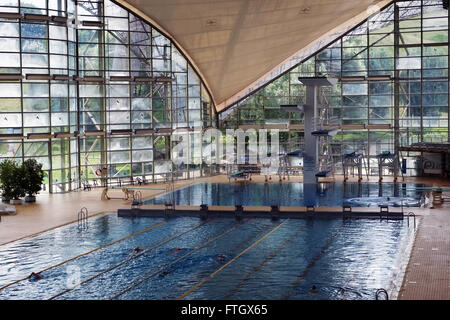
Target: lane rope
point(270, 257)
point(288, 293)
point(159, 244)
point(245, 241)
point(152, 274)
point(86, 253)
point(229, 262)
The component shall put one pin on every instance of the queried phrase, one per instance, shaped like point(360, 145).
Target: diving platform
point(295, 153)
point(292, 108)
point(351, 161)
point(315, 128)
point(238, 175)
point(388, 160)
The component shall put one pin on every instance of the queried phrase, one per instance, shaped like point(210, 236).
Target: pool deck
point(427, 275)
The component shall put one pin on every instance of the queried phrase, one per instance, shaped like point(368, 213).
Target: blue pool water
point(295, 194)
point(262, 259)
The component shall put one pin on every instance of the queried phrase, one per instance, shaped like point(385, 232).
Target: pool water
point(295, 194)
point(218, 258)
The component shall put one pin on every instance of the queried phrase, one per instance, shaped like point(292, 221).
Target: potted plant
point(12, 181)
point(18, 184)
point(6, 179)
point(33, 176)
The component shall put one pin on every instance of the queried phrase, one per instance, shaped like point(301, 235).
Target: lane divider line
point(229, 262)
point(159, 244)
point(86, 253)
point(235, 247)
point(288, 293)
point(269, 258)
point(133, 285)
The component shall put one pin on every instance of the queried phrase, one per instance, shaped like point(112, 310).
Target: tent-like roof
point(235, 43)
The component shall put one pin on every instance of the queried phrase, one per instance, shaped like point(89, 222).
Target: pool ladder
point(170, 204)
point(412, 215)
point(83, 219)
point(379, 292)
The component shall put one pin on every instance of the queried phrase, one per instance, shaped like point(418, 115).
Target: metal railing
point(412, 215)
point(83, 219)
point(379, 292)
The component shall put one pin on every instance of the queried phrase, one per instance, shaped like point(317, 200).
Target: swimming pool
point(220, 258)
point(295, 194)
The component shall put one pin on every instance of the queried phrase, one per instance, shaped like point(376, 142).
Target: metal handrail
point(83, 215)
point(379, 291)
point(412, 214)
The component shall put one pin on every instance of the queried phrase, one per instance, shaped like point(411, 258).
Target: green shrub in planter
point(6, 177)
point(33, 178)
point(11, 180)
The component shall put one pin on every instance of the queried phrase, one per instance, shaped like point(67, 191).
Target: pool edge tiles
point(401, 263)
point(259, 212)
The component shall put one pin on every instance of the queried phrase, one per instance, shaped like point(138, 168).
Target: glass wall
point(93, 92)
point(393, 88)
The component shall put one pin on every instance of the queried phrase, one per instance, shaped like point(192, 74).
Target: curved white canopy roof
point(236, 43)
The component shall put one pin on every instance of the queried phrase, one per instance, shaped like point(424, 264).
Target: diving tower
point(315, 130)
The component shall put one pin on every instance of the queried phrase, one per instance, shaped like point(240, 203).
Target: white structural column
point(310, 155)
